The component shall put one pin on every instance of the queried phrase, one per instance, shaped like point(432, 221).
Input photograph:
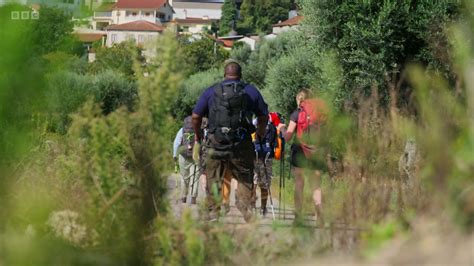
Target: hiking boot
point(248, 216)
point(264, 211)
point(212, 217)
point(183, 199)
point(226, 208)
point(193, 200)
point(319, 216)
point(299, 220)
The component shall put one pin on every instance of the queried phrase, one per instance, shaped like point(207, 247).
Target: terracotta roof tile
point(290, 22)
point(140, 3)
point(139, 25)
point(89, 37)
point(195, 20)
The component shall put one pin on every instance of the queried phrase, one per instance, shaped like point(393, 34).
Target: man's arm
point(177, 142)
point(262, 125)
point(197, 121)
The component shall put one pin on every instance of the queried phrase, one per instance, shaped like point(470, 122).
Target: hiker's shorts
point(241, 167)
point(263, 173)
point(298, 159)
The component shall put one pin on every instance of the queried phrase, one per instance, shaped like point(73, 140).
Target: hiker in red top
point(306, 122)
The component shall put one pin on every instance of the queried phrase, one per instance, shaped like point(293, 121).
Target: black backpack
point(267, 144)
point(229, 119)
point(187, 141)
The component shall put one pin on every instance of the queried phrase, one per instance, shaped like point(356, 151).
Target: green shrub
point(69, 90)
point(119, 57)
point(202, 54)
point(191, 89)
point(241, 52)
point(374, 40)
point(286, 77)
point(112, 91)
point(267, 53)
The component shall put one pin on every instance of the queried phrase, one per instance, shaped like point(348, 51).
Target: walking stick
point(194, 180)
point(281, 179)
point(282, 172)
point(268, 185)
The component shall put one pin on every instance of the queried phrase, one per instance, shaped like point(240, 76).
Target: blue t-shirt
point(258, 105)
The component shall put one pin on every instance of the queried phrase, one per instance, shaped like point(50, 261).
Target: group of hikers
point(222, 141)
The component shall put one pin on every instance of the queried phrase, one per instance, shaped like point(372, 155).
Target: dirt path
point(285, 217)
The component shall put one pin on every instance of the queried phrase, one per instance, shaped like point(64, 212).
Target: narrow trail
point(284, 215)
point(337, 236)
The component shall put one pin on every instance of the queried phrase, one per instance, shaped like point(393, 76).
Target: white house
point(197, 9)
point(194, 25)
point(287, 25)
point(139, 31)
point(251, 41)
point(125, 11)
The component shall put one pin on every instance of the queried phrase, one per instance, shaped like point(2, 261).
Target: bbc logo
point(24, 15)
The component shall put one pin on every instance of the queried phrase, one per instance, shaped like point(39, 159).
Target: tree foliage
point(53, 31)
point(202, 54)
point(119, 57)
point(228, 17)
point(267, 53)
point(69, 90)
point(191, 89)
point(374, 40)
point(258, 16)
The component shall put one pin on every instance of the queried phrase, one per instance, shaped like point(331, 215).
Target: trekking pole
point(194, 180)
point(282, 171)
point(268, 184)
point(279, 193)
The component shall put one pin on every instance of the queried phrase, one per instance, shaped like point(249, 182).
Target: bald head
point(232, 71)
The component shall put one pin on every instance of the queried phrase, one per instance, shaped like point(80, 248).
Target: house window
point(130, 37)
point(114, 38)
point(169, 17)
point(141, 38)
point(131, 13)
point(150, 37)
point(147, 14)
point(162, 16)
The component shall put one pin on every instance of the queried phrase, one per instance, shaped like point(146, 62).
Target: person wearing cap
point(230, 106)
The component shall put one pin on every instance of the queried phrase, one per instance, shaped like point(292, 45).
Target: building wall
point(251, 42)
point(124, 16)
point(183, 13)
point(278, 30)
point(193, 28)
point(140, 37)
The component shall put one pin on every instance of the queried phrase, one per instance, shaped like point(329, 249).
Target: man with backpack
point(230, 106)
point(183, 153)
point(306, 156)
point(265, 150)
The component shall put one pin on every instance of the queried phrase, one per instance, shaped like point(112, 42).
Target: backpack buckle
point(225, 130)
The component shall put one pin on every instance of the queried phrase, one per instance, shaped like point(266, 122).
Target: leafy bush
point(119, 57)
point(259, 16)
point(202, 54)
point(374, 40)
point(112, 91)
point(286, 77)
point(241, 52)
point(191, 89)
point(267, 53)
point(69, 90)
